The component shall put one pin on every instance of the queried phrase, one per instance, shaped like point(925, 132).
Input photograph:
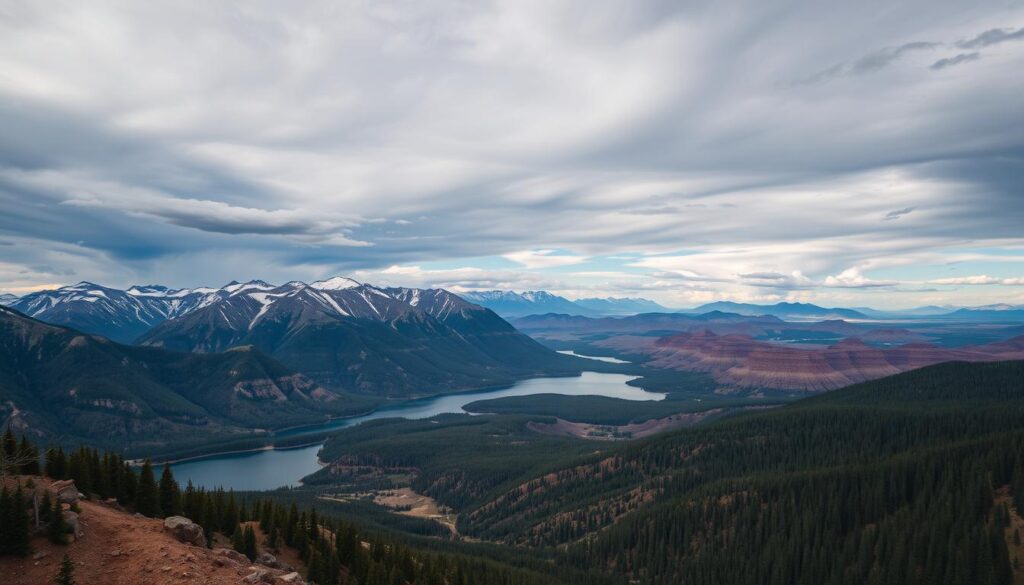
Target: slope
point(68, 387)
point(385, 342)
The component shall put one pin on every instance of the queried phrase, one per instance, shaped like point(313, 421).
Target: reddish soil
point(118, 548)
point(739, 361)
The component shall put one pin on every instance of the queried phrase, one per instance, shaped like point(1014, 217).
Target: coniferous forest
point(913, 479)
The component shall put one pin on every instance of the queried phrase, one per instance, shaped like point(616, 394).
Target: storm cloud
point(766, 151)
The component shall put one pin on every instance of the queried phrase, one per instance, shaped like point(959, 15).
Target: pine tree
point(66, 575)
point(18, 528)
point(250, 542)
point(57, 528)
point(170, 498)
point(5, 521)
point(147, 497)
point(238, 539)
point(28, 455)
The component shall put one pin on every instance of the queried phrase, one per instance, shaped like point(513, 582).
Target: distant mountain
point(7, 299)
point(989, 313)
point(511, 304)
point(926, 311)
point(786, 311)
point(121, 315)
point(67, 386)
point(621, 306)
point(344, 334)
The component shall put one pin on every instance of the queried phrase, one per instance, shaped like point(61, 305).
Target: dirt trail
point(120, 549)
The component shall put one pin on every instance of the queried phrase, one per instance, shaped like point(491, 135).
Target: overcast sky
point(846, 153)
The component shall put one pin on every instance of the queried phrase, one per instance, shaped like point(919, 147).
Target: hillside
point(741, 362)
point(67, 386)
point(827, 490)
point(382, 342)
point(119, 548)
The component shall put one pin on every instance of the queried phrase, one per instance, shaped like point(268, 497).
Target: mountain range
point(513, 304)
point(342, 333)
point(68, 386)
point(786, 311)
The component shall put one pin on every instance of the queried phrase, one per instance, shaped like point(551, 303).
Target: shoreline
point(272, 434)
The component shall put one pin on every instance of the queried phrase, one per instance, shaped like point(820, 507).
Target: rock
point(258, 576)
point(40, 555)
point(231, 554)
point(226, 562)
point(65, 492)
point(268, 560)
point(185, 530)
point(71, 521)
point(292, 578)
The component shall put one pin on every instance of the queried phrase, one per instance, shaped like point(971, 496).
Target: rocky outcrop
point(65, 491)
point(185, 530)
point(739, 361)
point(71, 521)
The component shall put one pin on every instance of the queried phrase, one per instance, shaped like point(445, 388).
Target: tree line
point(335, 552)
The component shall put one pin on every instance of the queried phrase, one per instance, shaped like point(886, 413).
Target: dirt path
point(120, 549)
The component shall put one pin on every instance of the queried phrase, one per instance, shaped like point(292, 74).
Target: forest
point(916, 478)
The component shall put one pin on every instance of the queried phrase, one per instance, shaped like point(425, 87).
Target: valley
point(418, 415)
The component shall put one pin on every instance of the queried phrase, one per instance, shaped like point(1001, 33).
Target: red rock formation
point(742, 362)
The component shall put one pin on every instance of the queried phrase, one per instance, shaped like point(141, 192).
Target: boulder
point(185, 530)
point(232, 554)
point(292, 578)
point(65, 492)
point(259, 575)
point(71, 521)
point(268, 560)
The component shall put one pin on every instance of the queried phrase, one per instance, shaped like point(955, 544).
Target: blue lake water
point(273, 468)
point(610, 360)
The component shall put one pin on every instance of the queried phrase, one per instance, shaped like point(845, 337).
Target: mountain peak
point(336, 283)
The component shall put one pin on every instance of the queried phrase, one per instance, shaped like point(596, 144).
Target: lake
point(610, 360)
point(273, 468)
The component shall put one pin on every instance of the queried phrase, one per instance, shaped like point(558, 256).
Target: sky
point(845, 153)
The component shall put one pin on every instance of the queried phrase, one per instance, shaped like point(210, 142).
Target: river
point(273, 468)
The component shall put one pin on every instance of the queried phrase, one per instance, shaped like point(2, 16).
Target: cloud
point(871, 62)
point(957, 60)
point(349, 136)
point(543, 258)
point(792, 281)
point(898, 213)
point(219, 217)
point(853, 278)
point(992, 37)
point(979, 279)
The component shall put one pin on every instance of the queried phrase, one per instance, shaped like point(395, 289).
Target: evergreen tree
point(66, 575)
point(57, 528)
point(250, 542)
point(147, 496)
point(28, 456)
point(18, 529)
point(238, 539)
point(170, 498)
point(6, 520)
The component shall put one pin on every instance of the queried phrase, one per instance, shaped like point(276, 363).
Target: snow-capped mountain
point(512, 304)
point(341, 333)
point(7, 299)
point(121, 315)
